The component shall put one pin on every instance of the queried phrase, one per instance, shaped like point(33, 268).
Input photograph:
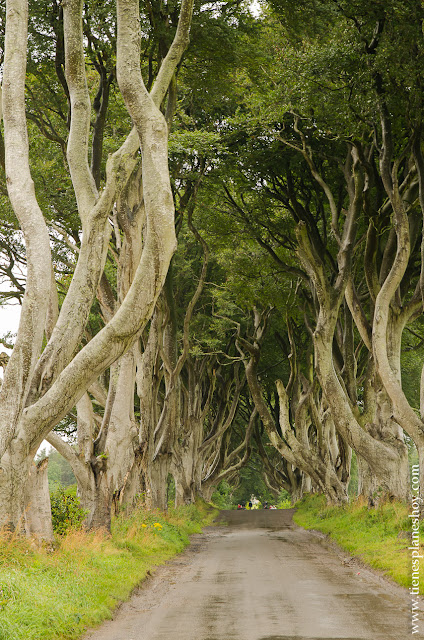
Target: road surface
point(256, 576)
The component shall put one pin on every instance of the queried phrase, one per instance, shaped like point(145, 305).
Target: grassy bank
point(56, 593)
point(379, 537)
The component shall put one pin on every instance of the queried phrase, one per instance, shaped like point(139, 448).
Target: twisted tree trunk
point(38, 391)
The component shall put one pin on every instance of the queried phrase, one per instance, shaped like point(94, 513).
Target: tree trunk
point(48, 387)
point(184, 492)
point(296, 494)
point(206, 492)
point(108, 468)
point(24, 492)
point(38, 514)
point(369, 486)
point(97, 499)
point(382, 448)
point(294, 446)
point(157, 483)
point(306, 484)
point(187, 461)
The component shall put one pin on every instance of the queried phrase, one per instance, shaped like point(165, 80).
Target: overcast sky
point(9, 320)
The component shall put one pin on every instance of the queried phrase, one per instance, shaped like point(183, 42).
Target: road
point(256, 576)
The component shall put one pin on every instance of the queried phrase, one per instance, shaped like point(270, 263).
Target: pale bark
point(382, 446)
point(60, 378)
point(148, 378)
point(112, 460)
point(14, 473)
point(229, 461)
point(389, 321)
point(93, 210)
point(392, 311)
point(122, 441)
point(280, 474)
point(187, 460)
point(17, 377)
point(386, 458)
point(88, 474)
point(38, 520)
point(293, 444)
point(76, 79)
point(176, 50)
point(368, 483)
point(85, 427)
point(174, 435)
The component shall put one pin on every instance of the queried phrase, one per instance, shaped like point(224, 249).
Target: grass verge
point(56, 593)
point(379, 537)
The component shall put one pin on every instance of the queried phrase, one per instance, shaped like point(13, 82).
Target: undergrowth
point(378, 536)
point(54, 592)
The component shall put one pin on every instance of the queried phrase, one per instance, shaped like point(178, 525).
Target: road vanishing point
point(257, 576)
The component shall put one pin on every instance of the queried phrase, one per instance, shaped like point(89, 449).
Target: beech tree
point(298, 185)
point(119, 454)
point(41, 386)
point(343, 105)
point(384, 296)
point(291, 433)
point(324, 268)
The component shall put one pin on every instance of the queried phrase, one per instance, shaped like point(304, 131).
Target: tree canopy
point(216, 236)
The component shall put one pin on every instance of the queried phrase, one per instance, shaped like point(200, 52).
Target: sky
point(9, 316)
point(9, 320)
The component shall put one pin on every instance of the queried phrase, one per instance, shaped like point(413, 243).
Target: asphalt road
point(258, 577)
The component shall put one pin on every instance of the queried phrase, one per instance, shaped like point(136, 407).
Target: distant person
point(255, 503)
point(250, 504)
point(265, 505)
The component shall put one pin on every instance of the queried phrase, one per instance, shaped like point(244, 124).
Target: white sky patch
point(255, 8)
point(9, 321)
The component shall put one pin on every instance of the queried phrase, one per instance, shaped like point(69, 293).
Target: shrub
point(223, 496)
point(67, 512)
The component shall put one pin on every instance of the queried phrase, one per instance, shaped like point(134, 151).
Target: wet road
point(261, 578)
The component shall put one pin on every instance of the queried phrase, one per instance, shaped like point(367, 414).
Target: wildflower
point(158, 525)
point(144, 526)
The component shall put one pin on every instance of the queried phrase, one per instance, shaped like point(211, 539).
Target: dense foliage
point(296, 169)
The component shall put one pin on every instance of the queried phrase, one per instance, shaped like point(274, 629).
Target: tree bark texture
point(38, 391)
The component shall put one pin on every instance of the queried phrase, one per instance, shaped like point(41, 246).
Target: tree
point(38, 391)
point(124, 446)
point(338, 98)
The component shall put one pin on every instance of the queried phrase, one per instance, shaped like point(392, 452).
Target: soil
point(257, 576)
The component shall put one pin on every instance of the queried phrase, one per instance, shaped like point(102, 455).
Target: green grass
point(376, 536)
point(56, 593)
